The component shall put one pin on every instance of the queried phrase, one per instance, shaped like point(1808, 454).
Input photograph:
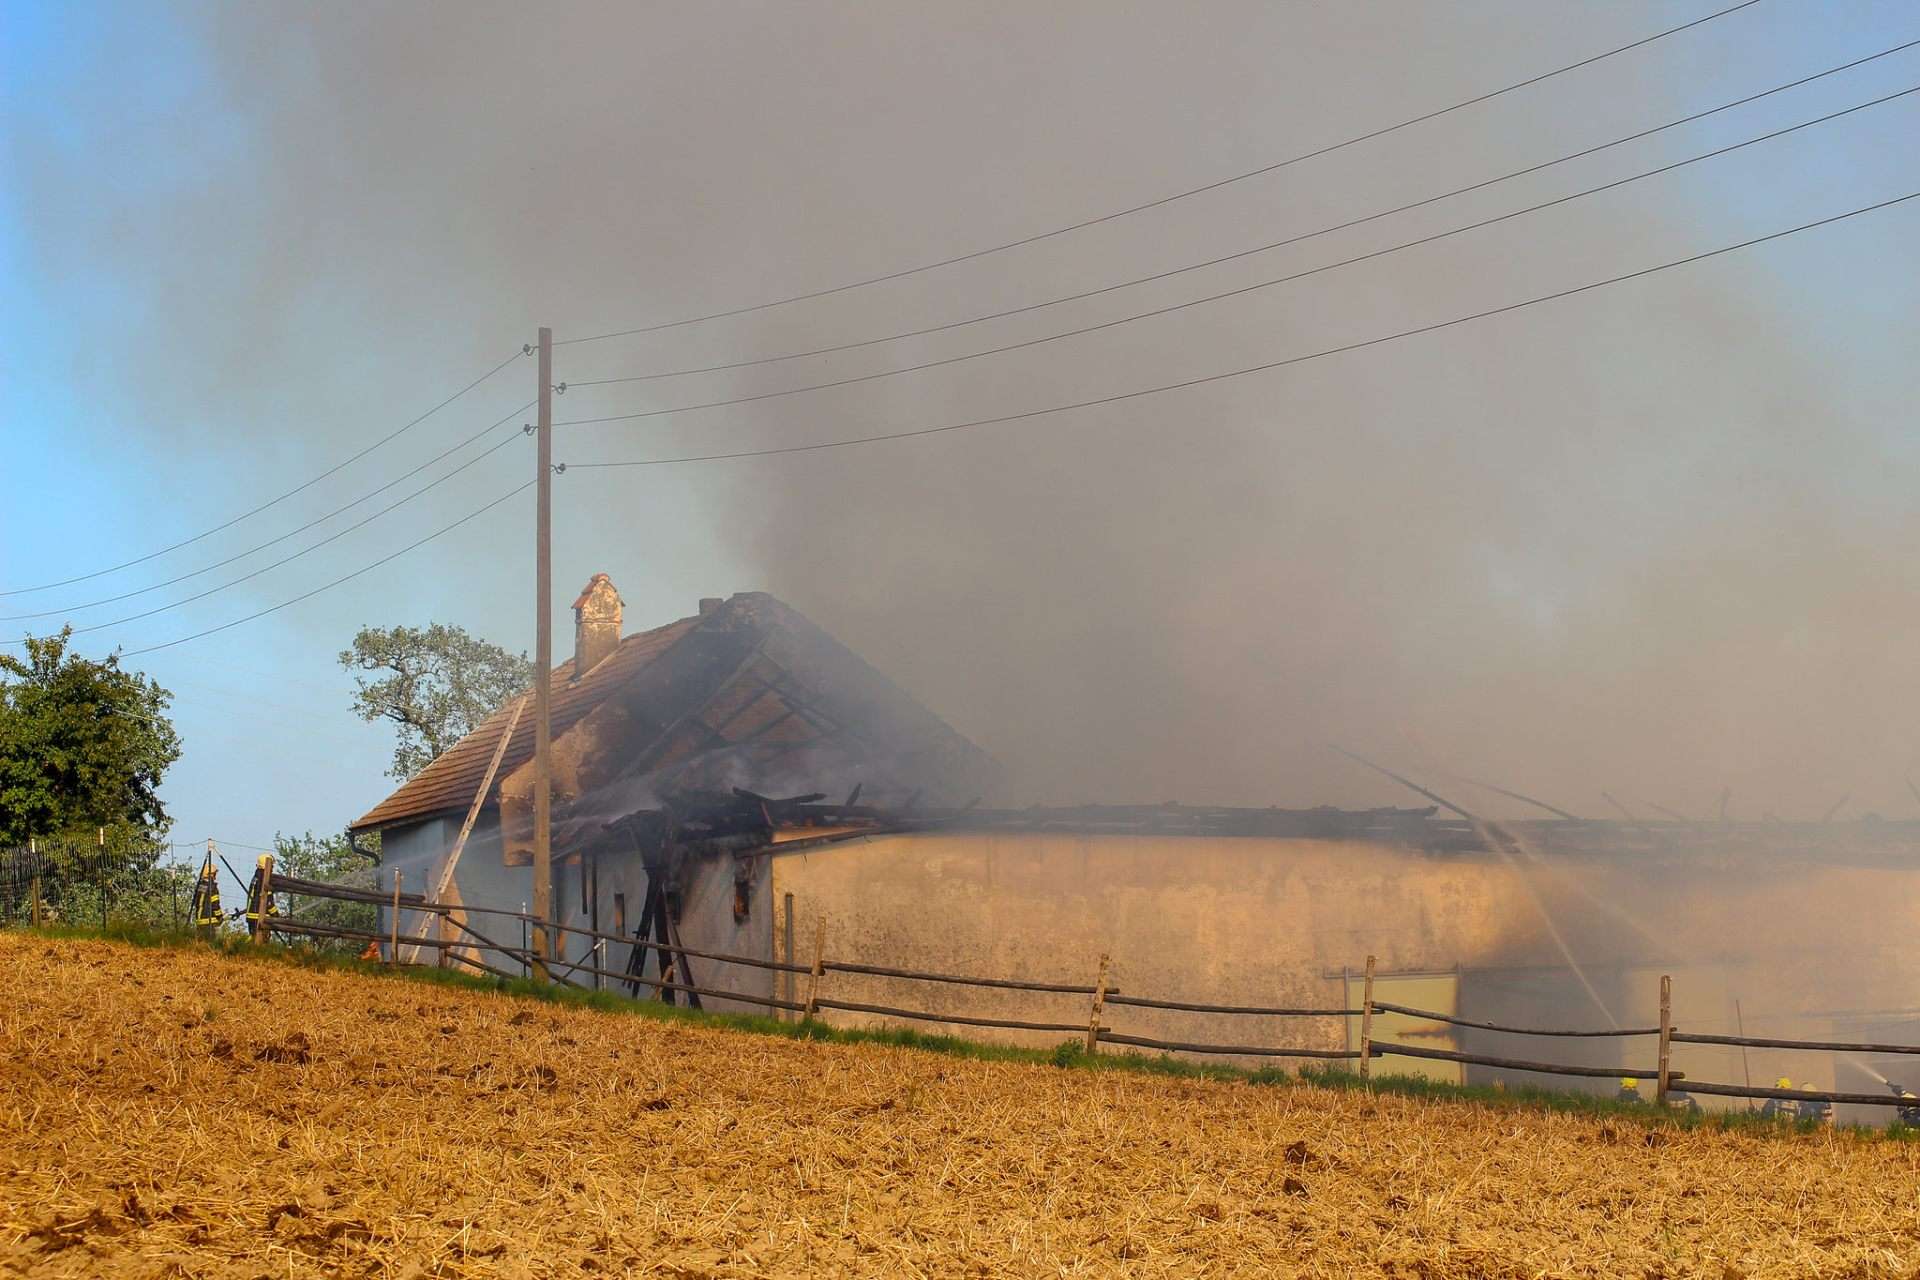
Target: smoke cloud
point(1649, 540)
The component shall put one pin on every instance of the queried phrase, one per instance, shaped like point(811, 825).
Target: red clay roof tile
point(449, 782)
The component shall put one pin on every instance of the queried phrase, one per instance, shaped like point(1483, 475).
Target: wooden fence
point(1104, 998)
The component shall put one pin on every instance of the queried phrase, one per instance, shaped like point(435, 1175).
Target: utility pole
point(543, 671)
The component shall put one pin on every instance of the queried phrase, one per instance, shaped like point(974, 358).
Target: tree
point(83, 746)
point(335, 859)
point(439, 684)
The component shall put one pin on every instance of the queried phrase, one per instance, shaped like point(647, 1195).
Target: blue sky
point(237, 245)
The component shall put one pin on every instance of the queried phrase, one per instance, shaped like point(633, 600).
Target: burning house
point(738, 782)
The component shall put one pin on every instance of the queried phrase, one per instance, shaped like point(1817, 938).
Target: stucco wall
point(1228, 920)
point(419, 852)
point(707, 923)
point(1808, 952)
point(1274, 922)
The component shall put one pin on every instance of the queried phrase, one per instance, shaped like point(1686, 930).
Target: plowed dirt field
point(178, 1113)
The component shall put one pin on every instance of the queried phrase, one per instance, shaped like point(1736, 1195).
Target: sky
point(1654, 539)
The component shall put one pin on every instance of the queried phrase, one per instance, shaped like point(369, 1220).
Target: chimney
point(596, 624)
point(710, 605)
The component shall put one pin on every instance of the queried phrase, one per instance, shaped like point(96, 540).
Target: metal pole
point(393, 946)
point(543, 668)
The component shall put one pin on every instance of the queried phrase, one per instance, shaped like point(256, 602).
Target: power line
point(271, 502)
point(1243, 289)
point(236, 844)
point(308, 595)
point(1257, 249)
point(333, 537)
point(1258, 368)
point(221, 564)
point(1355, 140)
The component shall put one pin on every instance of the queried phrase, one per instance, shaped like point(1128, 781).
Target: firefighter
point(1680, 1101)
point(1629, 1089)
point(206, 899)
point(1818, 1110)
point(1909, 1108)
point(1778, 1108)
point(255, 892)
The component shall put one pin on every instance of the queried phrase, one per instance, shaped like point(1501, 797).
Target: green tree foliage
point(435, 684)
point(337, 860)
point(83, 746)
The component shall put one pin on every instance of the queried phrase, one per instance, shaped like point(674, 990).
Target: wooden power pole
point(543, 672)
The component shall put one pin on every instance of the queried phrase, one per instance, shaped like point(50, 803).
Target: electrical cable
point(332, 537)
point(271, 502)
point(221, 564)
point(1243, 289)
point(308, 595)
point(1168, 199)
point(1257, 249)
point(1258, 368)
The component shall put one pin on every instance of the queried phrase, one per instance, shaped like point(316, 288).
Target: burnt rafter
point(743, 821)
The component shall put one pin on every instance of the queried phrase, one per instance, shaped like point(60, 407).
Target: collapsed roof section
point(743, 822)
point(748, 693)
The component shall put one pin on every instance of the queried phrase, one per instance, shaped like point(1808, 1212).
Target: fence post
point(1366, 1025)
point(1099, 1002)
point(260, 906)
point(819, 968)
point(787, 955)
point(393, 947)
point(1666, 1039)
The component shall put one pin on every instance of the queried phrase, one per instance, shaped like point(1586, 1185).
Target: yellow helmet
point(1629, 1082)
point(1783, 1083)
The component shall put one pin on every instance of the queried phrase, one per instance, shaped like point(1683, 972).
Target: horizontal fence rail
point(348, 893)
point(1763, 1042)
point(459, 951)
point(1009, 984)
point(1797, 1095)
point(1009, 1024)
point(1382, 1006)
point(1226, 1050)
point(1382, 1049)
point(1189, 1006)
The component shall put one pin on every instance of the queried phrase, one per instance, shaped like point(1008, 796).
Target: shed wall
point(1276, 922)
point(1216, 919)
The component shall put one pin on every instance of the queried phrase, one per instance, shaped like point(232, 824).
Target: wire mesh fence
point(94, 880)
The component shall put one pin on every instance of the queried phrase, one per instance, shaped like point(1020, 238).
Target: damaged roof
point(448, 783)
point(748, 690)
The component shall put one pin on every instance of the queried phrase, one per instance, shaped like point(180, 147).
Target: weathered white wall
point(1274, 922)
point(1218, 919)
